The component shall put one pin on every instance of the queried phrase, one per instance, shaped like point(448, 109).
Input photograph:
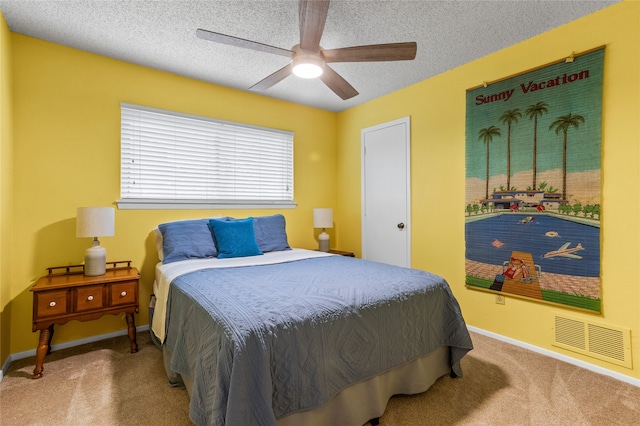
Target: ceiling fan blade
point(272, 79)
point(339, 85)
point(240, 42)
point(312, 16)
point(373, 53)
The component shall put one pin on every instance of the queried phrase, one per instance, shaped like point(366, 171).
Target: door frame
point(407, 123)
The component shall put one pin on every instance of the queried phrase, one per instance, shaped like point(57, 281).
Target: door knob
point(401, 225)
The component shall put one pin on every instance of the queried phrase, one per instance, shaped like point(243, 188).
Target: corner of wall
point(6, 186)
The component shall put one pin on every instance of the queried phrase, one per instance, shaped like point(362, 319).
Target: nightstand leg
point(132, 333)
point(50, 339)
point(44, 347)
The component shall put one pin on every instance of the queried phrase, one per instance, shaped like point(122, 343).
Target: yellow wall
point(67, 155)
point(437, 110)
point(6, 187)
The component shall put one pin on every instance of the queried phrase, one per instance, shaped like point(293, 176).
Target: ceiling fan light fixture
point(307, 66)
point(308, 58)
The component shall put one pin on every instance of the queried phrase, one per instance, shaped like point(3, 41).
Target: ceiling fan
point(309, 59)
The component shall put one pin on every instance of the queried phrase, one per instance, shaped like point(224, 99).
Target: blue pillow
point(271, 233)
point(235, 238)
point(188, 239)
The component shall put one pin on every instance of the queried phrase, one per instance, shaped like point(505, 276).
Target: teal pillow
point(235, 238)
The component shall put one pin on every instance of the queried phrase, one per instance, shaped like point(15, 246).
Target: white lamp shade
point(95, 222)
point(323, 218)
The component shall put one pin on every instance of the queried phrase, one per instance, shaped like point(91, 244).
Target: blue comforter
point(261, 342)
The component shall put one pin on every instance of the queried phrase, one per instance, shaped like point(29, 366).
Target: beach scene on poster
point(532, 184)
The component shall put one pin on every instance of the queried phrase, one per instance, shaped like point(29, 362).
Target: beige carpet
point(103, 384)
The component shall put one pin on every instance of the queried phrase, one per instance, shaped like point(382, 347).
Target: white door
point(385, 193)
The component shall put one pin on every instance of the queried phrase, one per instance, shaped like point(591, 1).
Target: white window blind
point(173, 158)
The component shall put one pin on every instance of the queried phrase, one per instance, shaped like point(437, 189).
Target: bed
point(296, 337)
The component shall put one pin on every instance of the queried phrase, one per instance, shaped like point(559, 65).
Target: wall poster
point(532, 216)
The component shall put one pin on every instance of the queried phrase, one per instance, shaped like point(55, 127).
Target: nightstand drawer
point(51, 303)
point(124, 293)
point(90, 298)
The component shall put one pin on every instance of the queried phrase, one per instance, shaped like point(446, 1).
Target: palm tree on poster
point(486, 135)
point(533, 112)
point(508, 117)
point(563, 124)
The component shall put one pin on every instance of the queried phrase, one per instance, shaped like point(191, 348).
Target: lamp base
point(323, 241)
point(95, 260)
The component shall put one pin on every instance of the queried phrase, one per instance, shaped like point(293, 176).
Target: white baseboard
point(551, 354)
point(6, 365)
point(32, 352)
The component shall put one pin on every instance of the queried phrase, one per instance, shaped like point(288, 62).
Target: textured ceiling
point(162, 35)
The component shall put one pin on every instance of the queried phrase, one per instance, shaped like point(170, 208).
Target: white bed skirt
point(368, 399)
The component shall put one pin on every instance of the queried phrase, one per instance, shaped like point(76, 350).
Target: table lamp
point(323, 218)
point(95, 222)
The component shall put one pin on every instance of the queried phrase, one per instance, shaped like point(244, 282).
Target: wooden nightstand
point(342, 253)
point(61, 297)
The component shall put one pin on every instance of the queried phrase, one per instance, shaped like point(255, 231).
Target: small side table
point(69, 295)
point(342, 253)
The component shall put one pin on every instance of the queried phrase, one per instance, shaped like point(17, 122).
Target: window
point(173, 160)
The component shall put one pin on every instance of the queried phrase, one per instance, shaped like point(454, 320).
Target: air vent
point(604, 342)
